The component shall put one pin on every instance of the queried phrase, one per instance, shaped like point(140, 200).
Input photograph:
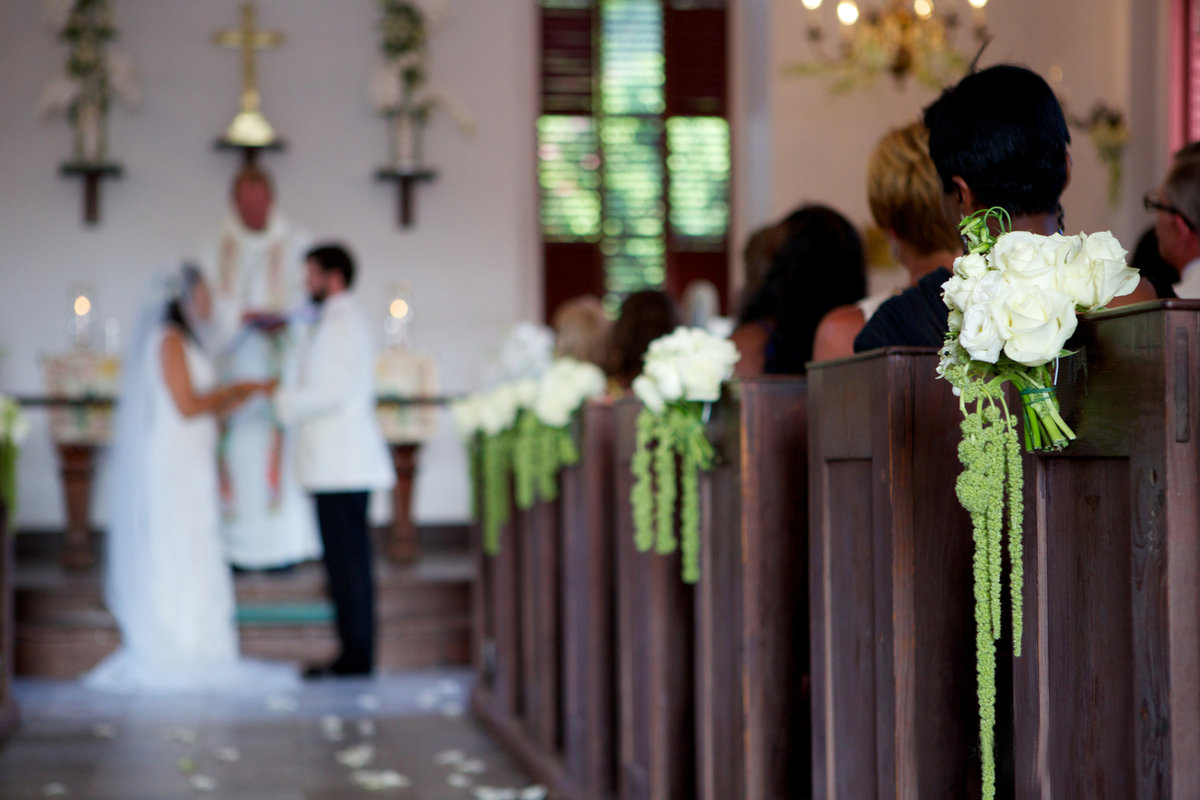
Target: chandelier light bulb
point(924, 8)
point(847, 12)
point(812, 5)
point(977, 3)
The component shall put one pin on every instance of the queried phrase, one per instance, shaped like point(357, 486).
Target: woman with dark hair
point(167, 583)
point(820, 265)
point(645, 316)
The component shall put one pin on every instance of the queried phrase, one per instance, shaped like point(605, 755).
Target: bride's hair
point(182, 286)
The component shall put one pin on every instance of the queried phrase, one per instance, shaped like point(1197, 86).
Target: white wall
point(818, 142)
point(471, 255)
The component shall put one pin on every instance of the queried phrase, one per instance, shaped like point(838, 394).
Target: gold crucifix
point(249, 128)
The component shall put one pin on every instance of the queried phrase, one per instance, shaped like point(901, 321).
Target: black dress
point(916, 317)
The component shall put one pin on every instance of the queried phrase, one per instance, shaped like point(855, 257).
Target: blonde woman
point(905, 195)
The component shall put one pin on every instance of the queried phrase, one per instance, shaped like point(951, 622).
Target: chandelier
point(901, 39)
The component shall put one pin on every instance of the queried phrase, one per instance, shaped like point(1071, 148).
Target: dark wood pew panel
point(8, 706)
point(1107, 692)
point(752, 598)
point(892, 631)
point(538, 531)
point(589, 608)
point(655, 632)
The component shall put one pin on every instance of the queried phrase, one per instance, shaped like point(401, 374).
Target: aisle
point(402, 735)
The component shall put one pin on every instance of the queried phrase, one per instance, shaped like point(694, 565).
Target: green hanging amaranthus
point(540, 451)
point(1013, 301)
point(671, 449)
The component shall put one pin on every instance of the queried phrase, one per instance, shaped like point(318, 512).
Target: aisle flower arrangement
point(1013, 300)
point(14, 427)
point(683, 375)
point(521, 431)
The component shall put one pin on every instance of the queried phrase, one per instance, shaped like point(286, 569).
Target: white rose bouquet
point(14, 427)
point(523, 427)
point(683, 373)
point(1012, 300)
point(487, 423)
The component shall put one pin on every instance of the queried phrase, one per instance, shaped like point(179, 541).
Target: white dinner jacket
point(331, 401)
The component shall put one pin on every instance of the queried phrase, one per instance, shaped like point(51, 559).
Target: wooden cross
point(248, 39)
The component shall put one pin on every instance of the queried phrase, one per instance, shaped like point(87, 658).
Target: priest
point(255, 265)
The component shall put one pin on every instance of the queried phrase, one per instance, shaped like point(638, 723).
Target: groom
point(340, 451)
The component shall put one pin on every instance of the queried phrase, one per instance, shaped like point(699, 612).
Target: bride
point(168, 584)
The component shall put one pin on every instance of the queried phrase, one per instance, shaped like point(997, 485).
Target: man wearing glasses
point(1176, 205)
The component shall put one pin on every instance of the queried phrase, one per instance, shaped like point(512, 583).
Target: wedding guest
point(1177, 208)
point(341, 454)
point(644, 317)
point(581, 330)
point(821, 265)
point(905, 196)
point(1147, 260)
point(997, 138)
point(757, 255)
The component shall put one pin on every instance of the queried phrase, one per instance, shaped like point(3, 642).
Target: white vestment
point(269, 520)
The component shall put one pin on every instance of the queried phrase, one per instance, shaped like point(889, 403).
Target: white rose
point(956, 320)
point(971, 265)
point(956, 292)
point(466, 416)
point(646, 391)
point(524, 392)
point(1113, 278)
point(1018, 254)
point(1035, 322)
point(666, 375)
point(702, 380)
point(979, 335)
point(1073, 269)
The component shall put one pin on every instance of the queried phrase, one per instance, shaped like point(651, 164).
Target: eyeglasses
point(1152, 203)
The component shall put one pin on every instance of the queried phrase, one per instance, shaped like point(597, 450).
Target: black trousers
point(343, 520)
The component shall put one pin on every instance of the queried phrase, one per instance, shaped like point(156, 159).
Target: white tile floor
point(326, 740)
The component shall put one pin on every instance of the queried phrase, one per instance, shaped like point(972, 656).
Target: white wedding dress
point(168, 583)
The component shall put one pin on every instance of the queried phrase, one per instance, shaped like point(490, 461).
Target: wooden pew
point(893, 683)
point(554, 625)
point(497, 696)
point(655, 633)
point(1107, 692)
point(589, 609)
point(752, 732)
point(8, 706)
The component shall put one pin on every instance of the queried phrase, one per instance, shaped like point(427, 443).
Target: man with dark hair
point(997, 138)
point(341, 454)
point(1177, 210)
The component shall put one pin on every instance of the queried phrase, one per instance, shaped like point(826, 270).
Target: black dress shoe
point(334, 670)
point(315, 672)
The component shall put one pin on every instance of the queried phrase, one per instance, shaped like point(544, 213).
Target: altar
point(81, 393)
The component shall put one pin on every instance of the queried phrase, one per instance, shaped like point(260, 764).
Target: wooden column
point(656, 640)
point(401, 544)
point(892, 639)
point(75, 465)
point(8, 660)
point(589, 602)
point(1107, 692)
